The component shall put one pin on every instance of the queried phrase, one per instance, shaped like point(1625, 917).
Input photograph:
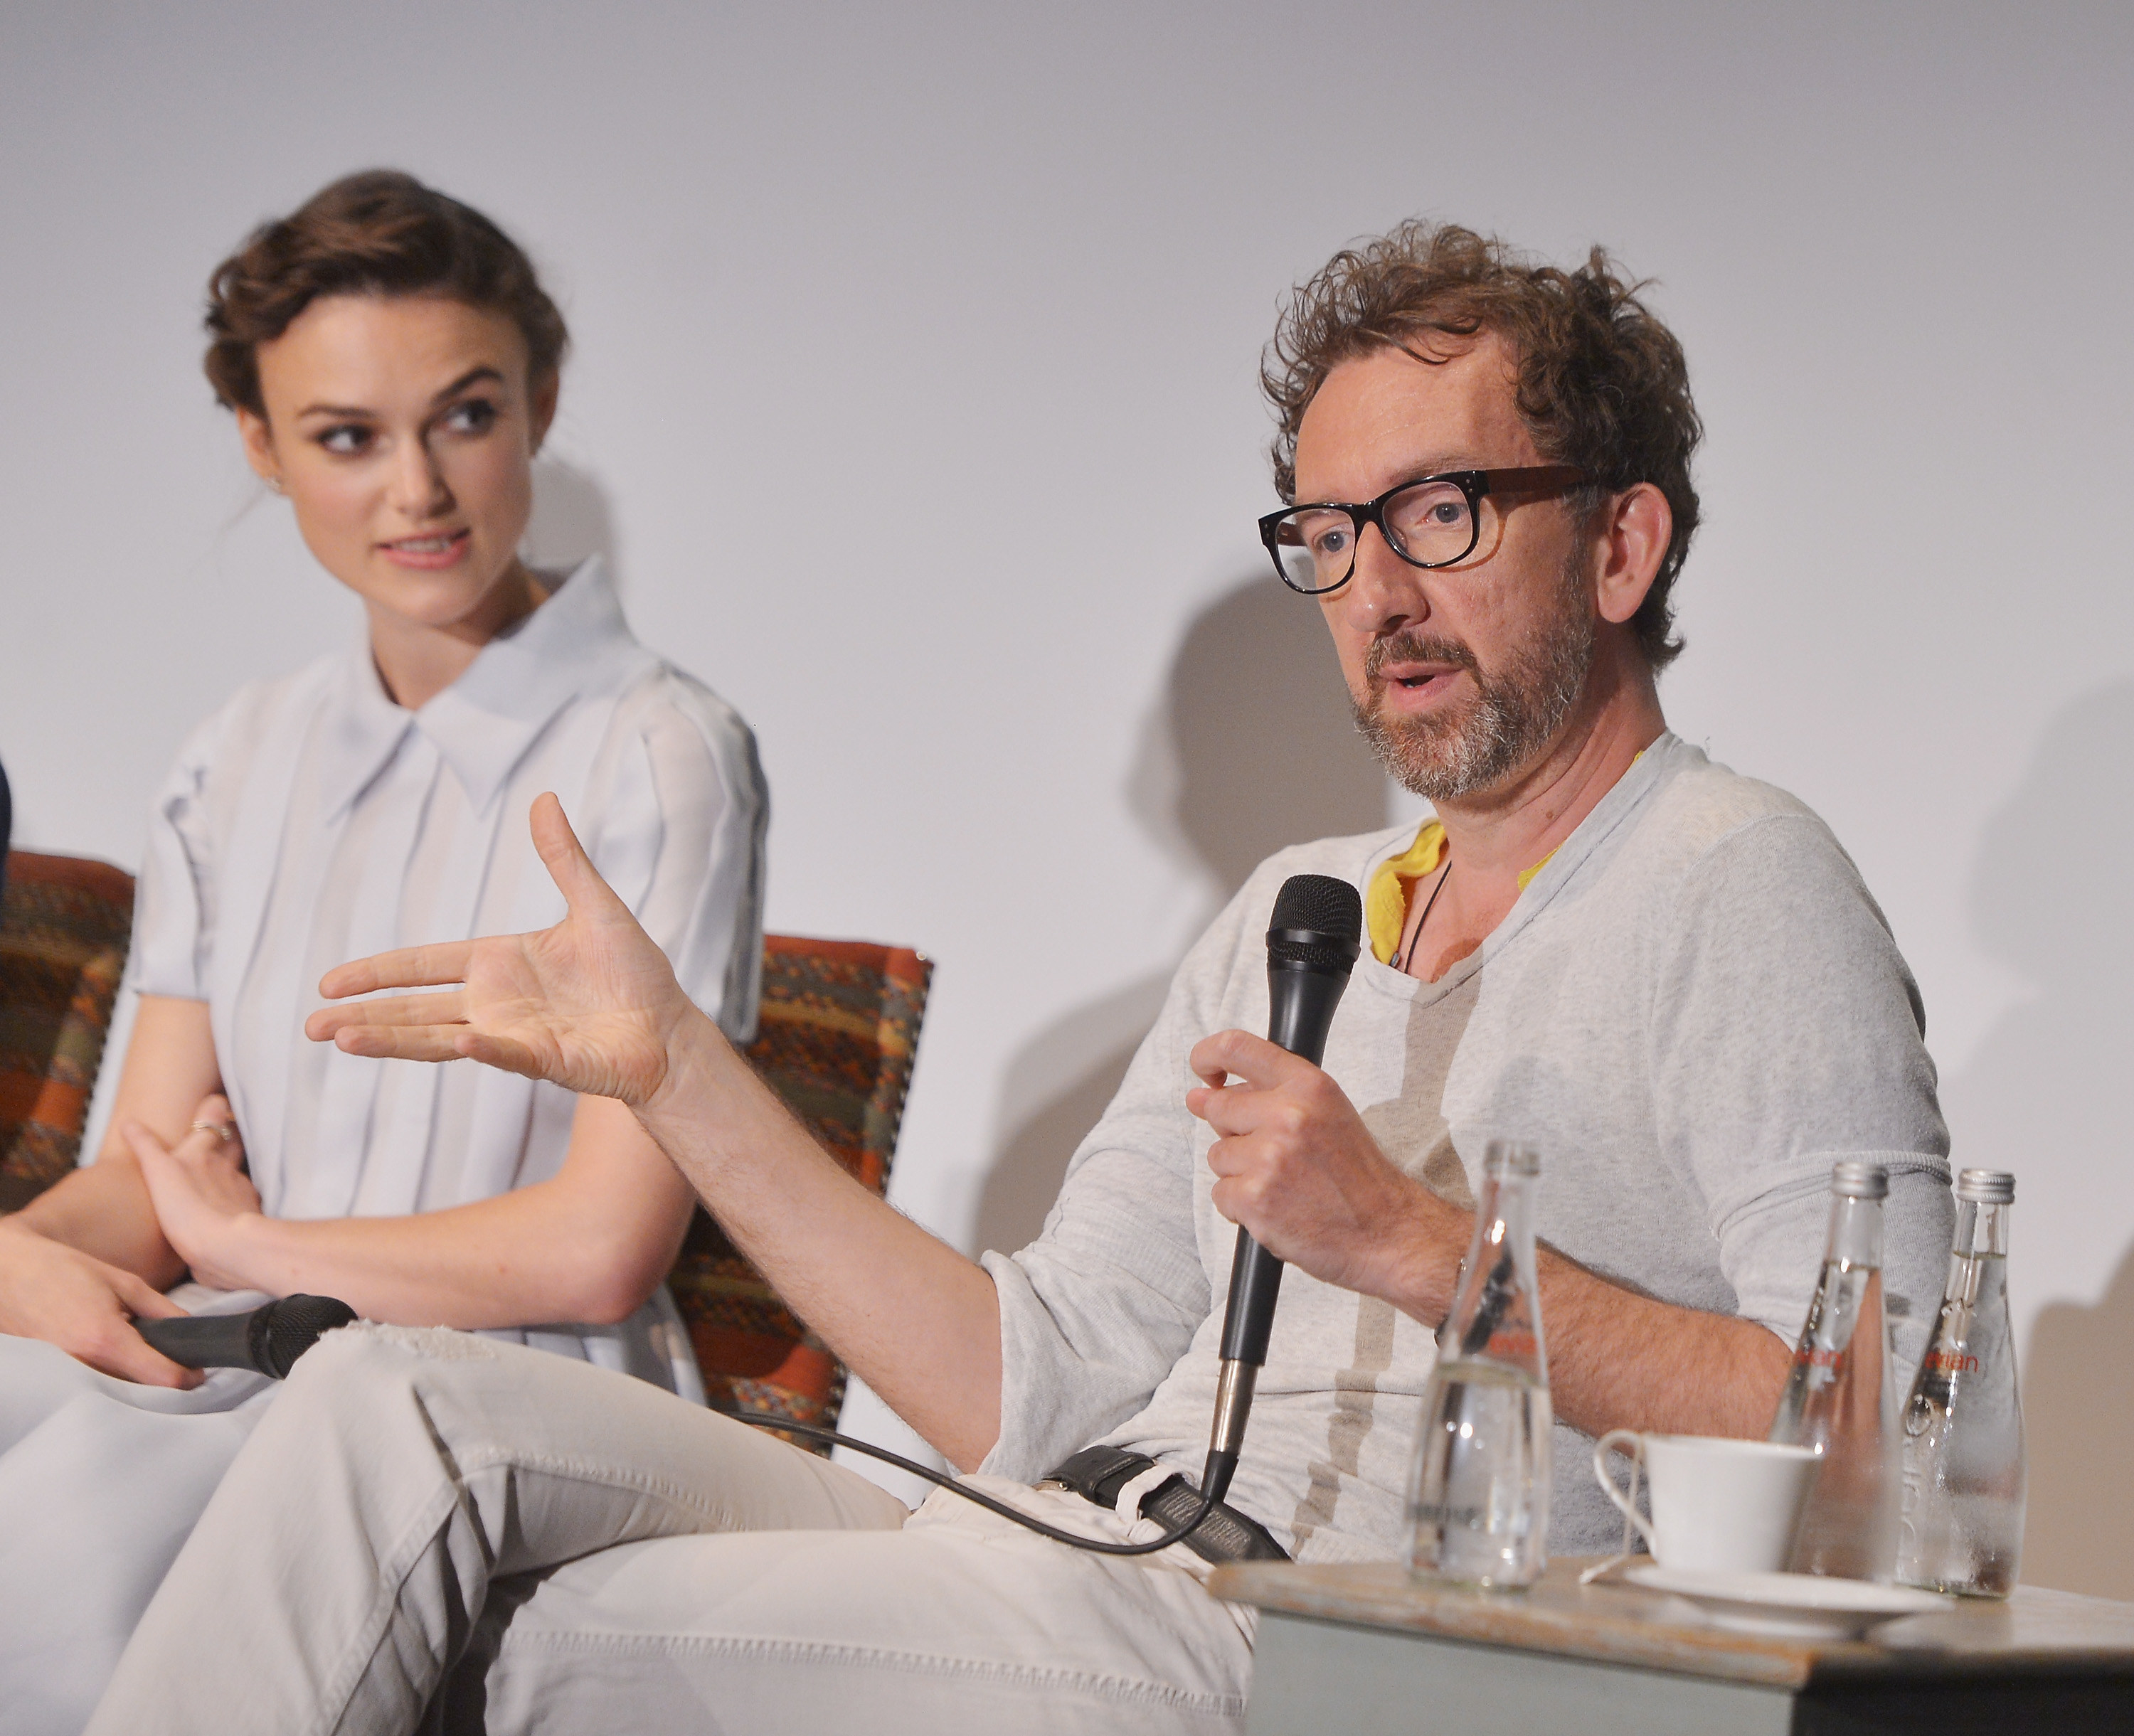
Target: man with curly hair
point(1668, 978)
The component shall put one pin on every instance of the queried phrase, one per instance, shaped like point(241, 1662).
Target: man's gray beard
point(1515, 714)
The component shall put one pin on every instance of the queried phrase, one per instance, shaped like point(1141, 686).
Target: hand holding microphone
point(1312, 943)
point(268, 1340)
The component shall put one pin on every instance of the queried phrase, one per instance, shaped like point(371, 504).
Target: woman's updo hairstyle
point(378, 233)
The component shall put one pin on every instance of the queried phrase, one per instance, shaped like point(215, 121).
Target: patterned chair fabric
point(64, 922)
point(839, 1028)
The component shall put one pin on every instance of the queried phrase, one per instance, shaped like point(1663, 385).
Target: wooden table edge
point(1621, 1624)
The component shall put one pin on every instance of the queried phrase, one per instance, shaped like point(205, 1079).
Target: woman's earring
point(274, 483)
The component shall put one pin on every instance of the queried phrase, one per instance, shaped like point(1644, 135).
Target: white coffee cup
point(1719, 1505)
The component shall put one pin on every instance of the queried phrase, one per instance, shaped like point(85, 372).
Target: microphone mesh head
point(1318, 923)
point(294, 1324)
point(1321, 904)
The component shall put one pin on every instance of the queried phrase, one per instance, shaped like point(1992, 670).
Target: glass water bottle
point(1841, 1397)
point(1962, 1529)
point(1480, 1490)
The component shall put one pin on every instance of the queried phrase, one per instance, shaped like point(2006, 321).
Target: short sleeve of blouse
point(681, 842)
point(174, 898)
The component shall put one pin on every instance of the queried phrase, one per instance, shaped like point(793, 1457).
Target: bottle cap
point(1853, 1179)
point(1986, 1187)
point(1507, 1157)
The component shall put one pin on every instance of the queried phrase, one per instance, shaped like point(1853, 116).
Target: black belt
point(1098, 1474)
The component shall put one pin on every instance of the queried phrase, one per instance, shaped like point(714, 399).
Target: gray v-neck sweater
point(1693, 1010)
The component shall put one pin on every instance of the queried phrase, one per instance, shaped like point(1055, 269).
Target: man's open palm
point(589, 1004)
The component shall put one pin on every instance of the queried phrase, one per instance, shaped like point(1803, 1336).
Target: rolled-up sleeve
point(1098, 1310)
point(1788, 1037)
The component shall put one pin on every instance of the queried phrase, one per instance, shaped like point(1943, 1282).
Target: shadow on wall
point(572, 520)
point(2049, 899)
point(2079, 1422)
point(1250, 749)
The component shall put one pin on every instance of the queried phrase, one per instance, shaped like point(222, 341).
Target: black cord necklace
point(1402, 962)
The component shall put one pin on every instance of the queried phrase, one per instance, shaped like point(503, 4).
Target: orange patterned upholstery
point(64, 922)
point(839, 1025)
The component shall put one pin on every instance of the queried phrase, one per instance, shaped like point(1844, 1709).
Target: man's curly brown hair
point(1600, 383)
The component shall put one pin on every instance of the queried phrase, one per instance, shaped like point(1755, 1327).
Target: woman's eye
point(476, 415)
point(347, 441)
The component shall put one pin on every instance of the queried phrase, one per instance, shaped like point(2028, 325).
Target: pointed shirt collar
point(483, 724)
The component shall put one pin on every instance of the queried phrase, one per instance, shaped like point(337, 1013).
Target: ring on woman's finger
point(224, 1130)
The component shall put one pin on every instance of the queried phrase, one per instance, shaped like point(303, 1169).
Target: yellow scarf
point(1385, 905)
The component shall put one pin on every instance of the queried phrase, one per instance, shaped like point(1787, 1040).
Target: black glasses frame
point(1526, 479)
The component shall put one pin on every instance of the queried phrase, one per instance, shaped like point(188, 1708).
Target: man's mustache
point(1417, 648)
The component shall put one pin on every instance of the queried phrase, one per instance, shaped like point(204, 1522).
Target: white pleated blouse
point(312, 819)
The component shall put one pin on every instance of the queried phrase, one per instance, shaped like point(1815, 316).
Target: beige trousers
point(430, 1531)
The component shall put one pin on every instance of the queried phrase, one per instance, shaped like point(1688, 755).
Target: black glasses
point(1431, 522)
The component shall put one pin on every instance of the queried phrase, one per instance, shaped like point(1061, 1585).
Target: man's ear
point(1635, 528)
point(258, 440)
point(542, 406)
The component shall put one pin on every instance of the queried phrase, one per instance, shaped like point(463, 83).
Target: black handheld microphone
point(1312, 943)
point(268, 1340)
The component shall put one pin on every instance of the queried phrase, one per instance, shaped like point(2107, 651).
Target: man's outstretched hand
point(590, 1004)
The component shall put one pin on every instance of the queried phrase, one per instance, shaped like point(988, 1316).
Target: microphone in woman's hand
point(268, 1340)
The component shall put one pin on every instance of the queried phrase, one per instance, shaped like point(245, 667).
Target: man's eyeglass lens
point(1432, 525)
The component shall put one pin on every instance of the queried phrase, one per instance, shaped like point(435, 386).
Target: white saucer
point(1804, 1605)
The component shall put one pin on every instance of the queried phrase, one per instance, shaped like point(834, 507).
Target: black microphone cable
point(269, 1339)
point(830, 1437)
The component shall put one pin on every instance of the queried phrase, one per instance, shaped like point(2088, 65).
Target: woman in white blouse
point(393, 364)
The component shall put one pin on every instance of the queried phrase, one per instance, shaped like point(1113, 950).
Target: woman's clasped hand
point(202, 1197)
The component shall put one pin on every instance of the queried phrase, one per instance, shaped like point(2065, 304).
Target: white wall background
point(936, 290)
